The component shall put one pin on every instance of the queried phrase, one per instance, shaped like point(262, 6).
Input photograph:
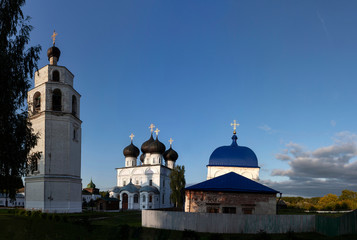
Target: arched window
point(55, 76)
point(37, 102)
point(57, 100)
point(74, 105)
point(136, 198)
point(144, 198)
point(150, 198)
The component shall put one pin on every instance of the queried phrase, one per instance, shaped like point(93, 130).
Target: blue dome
point(233, 156)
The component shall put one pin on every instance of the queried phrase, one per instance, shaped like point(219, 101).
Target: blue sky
point(285, 70)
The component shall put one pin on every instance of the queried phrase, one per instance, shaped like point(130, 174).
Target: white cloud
point(333, 123)
point(266, 128)
point(321, 171)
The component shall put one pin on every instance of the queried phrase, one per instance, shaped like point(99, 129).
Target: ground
point(124, 225)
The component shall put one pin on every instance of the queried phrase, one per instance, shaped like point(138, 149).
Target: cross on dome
point(234, 124)
point(54, 37)
point(170, 141)
point(157, 132)
point(152, 126)
point(132, 137)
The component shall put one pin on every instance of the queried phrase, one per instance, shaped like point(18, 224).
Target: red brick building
point(230, 193)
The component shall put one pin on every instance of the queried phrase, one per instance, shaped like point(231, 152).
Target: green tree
point(348, 195)
point(328, 202)
point(17, 64)
point(177, 185)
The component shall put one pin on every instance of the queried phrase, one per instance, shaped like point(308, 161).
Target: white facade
point(145, 186)
point(248, 172)
point(54, 111)
point(157, 176)
point(18, 202)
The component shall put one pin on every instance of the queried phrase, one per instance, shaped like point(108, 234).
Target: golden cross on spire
point(54, 37)
point(132, 137)
point(170, 141)
point(152, 126)
point(234, 124)
point(157, 132)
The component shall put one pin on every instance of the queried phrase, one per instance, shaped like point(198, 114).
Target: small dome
point(131, 151)
point(170, 154)
point(131, 188)
point(234, 156)
point(53, 52)
point(116, 189)
point(149, 189)
point(156, 147)
point(91, 184)
point(142, 157)
point(145, 145)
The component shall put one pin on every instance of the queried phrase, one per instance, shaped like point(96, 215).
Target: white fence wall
point(227, 223)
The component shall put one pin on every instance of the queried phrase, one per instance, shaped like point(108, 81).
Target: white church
point(145, 185)
point(55, 184)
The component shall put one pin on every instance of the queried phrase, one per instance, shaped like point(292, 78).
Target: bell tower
point(54, 183)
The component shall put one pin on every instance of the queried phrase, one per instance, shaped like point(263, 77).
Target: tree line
point(330, 202)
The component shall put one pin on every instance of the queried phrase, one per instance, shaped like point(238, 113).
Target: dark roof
point(145, 145)
point(53, 52)
point(170, 154)
point(148, 188)
point(129, 188)
point(131, 151)
point(234, 156)
point(156, 147)
point(231, 182)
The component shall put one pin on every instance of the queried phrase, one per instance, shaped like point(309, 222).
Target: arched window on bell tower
point(57, 100)
point(36, 102)
point(55, 76)
point(74, 105)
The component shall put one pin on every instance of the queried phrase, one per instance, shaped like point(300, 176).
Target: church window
point(144, 198)
point(150, 198)
point(57, 100)
point(231, 210)
point(55, 76)
point(136, 198)
point(150, 182)
point(37, 102)
point(74, 105)
point(247, 210)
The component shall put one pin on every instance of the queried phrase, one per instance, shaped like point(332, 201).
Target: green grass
point(123, 225)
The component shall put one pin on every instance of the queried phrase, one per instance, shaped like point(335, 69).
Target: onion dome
point(233, 156)
point(145, 145)
point(91, 184)
point(170, 154)
point(142, 157)
point(131, 188)
point(53, 52)
point(156, 147)
point(149, 189)
point(131, 151)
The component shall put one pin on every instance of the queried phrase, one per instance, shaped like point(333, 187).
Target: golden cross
point(54, 37)
point(132, 136)
point(152, 126)
point(234, 124)
point(157, 131)
point(170, 141)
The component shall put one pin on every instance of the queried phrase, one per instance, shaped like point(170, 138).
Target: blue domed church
point(233, 158)
point(232, 184)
